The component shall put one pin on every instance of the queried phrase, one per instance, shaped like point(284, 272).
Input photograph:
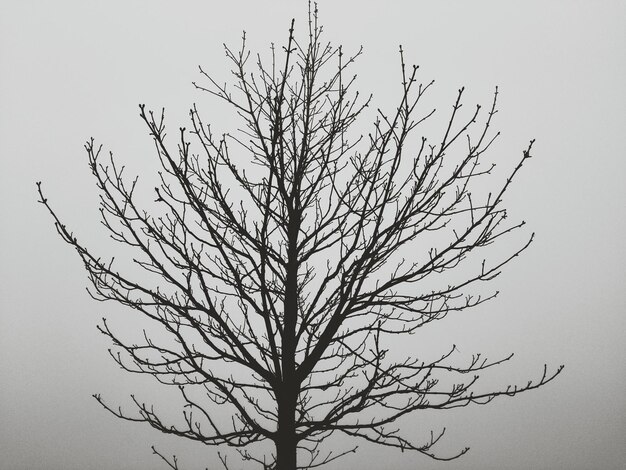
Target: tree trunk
point(286, 443)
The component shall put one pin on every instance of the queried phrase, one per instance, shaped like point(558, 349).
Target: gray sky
point(74, 69)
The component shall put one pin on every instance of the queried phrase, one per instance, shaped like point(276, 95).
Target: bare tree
point(282, 301)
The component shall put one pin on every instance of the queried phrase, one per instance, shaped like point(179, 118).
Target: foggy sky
point(70, 70)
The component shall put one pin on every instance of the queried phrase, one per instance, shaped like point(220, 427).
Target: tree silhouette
point(282, 301)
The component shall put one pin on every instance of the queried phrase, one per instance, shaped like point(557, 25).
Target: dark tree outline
point(216, 255)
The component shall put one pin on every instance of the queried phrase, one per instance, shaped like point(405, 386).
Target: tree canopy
point(285, 258)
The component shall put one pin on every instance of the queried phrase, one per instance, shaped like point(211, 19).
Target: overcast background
point(74, 69)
